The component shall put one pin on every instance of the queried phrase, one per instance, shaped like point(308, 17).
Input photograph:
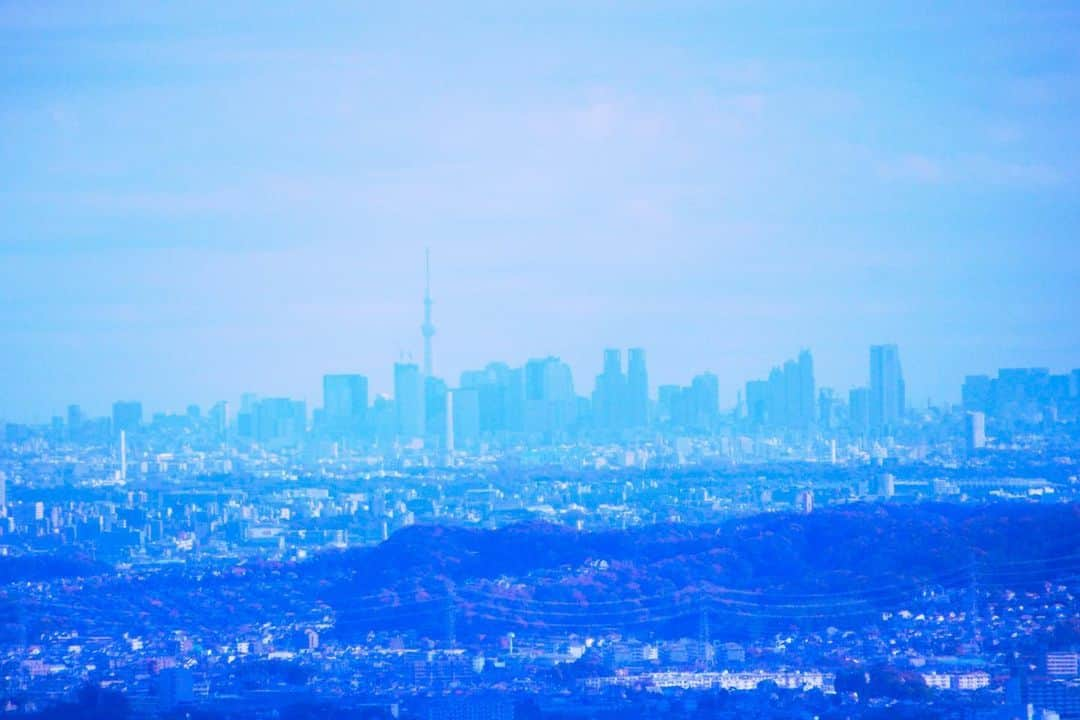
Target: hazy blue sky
point(202, 199)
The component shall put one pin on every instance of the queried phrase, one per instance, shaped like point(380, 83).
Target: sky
point(203, 199)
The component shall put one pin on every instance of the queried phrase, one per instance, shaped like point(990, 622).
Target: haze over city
point(539, 361)
point(201, 201)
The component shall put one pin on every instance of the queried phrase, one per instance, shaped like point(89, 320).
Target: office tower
point(792, 394)
point(465, 413)
point(610, 393)
point(219, 418)
point(247, 402)
point(826, 409)
point(500, 394)
point(667, 397)
point(704, 400)
point(74, 419)
point(1020, 386)
point(384, 420)
point(345, 401)
point(757, 402)
point(786, 399)
point(428, 328)
point(435, 409)
point(408, 401)
point(637, 389)
point(550, 403)
point(279, 422)
point(886, 387)
point(977, 393)
point(126, 416)
point(515, 400)
point(123, 455)
point(974, 431)
point(245, 418)
point(3, 494)
point(859, 411)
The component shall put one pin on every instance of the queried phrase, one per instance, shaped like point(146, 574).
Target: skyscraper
point(757, 401)
point(886, 387)
point(704, 400)
point(786, 399)
point(637, 389)
point(428, 328)
point(408, 401)
point(975, 431)
point(345, 401)
point(126, 416)
point(859, 410)
point(464, 408)
point(279, 421)
point(550, 402)
point(610, 393)
point(436, 408)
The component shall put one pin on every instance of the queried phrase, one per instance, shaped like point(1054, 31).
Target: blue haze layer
point(198, 200)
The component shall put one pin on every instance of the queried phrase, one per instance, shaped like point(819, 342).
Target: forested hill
point(856, 559)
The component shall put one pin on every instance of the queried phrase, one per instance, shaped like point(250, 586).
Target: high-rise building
point(859, 410)
point(436, 409)
point(74, 419)
point(126, 415)
point(786, 399)
point(219, 418)
point(408, 401)
point(609, 396)
point(464, 407)
point(704, 403)
point(637, 389)
point(757, 402)
point(345, 402)
point(977, 393)
point(887, 401)
point(550, 402)
point(974, 431)
point(278, 421)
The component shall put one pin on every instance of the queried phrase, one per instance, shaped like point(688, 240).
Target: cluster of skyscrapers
point(537, 403)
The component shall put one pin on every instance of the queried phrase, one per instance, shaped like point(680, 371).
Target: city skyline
point(721, 190)
point(885, 388)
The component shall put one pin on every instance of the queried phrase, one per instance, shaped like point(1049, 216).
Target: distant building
point(345, 403)
point(787, 398)
point(436, 410)
point(610, 396)
point(550, 403)
point(408, 400)
point(1063, 664)
point(887, 390)
point(637, 389)
point(975, 430)
point(464, 409)
point(278, 421)
point(859, 411)
point(127, 416)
